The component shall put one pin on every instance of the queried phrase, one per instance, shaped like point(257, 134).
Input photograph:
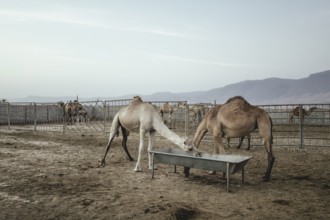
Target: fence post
point(64, 119)
point(8, 115)
point(104, 116)
point(186, 127)
point(301, 126)
point(47, 107)
point(26, 115)
point(35, 115)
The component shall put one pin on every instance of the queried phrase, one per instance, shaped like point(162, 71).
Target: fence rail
point(311, 130)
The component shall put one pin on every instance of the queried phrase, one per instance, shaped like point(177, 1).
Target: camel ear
point(185, 140)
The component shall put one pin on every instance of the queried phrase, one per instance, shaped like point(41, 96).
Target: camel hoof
point(266, 178)
point(130, 159)
point(155, 168)
point(212, 172)
point(102, 164)
point(137, 170)
point(197, 154)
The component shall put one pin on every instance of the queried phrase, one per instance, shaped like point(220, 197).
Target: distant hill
point(313, 89)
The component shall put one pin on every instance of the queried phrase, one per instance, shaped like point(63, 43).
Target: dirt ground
point(55, 176)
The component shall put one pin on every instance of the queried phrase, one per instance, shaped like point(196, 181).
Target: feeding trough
point(228, 164)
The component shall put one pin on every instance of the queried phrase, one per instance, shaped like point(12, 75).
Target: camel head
point(60, 103)
point(188, 145)
point(313, 109)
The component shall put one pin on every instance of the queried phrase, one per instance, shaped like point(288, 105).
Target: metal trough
point(228, 164)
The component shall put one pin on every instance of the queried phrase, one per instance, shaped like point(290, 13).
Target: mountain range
point(310, 90)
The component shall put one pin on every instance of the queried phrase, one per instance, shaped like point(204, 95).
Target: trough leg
point(228, 177)
point(153, 165)
point(242, 176)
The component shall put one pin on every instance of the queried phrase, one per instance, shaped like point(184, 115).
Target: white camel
point(142, 116)
point(81, 115)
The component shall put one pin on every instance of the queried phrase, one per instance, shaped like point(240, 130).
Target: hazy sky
point(95, 48)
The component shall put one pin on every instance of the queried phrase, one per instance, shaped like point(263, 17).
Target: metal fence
point(313, 130)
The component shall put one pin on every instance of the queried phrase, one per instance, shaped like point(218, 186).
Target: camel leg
point(124, 143)
point(265, 131)
point(249, 142)
point(218, 147)
point(113, 132)
point(138, 163)
point(228, 140)
point(271, 160)
point(150, 147)
point(241, 139)
point(111, 137)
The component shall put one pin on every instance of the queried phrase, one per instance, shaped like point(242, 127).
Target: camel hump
point(238, 103)
point(237, 99)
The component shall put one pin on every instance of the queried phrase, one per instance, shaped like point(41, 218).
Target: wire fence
point(311, 130)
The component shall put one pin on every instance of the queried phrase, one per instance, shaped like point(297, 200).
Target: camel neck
point(164, 131)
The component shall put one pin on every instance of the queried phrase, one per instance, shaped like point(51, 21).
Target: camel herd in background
point(75, 112)
point(196, 111)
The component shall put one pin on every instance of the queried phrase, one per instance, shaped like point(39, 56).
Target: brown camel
point(70, 109)
point(296, 110)
point(199, 111)
point(236, 118)
point(168, 109)
point(142, 116)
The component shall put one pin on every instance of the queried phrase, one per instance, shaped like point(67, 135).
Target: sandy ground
point(56, 176)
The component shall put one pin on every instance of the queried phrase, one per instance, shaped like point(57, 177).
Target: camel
point(168, 109)
point(70, 109)
point(81, 115)
point(142, 116)
point(196, 111)
point(236, 118)
point(296, 110)
point(199, 111)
